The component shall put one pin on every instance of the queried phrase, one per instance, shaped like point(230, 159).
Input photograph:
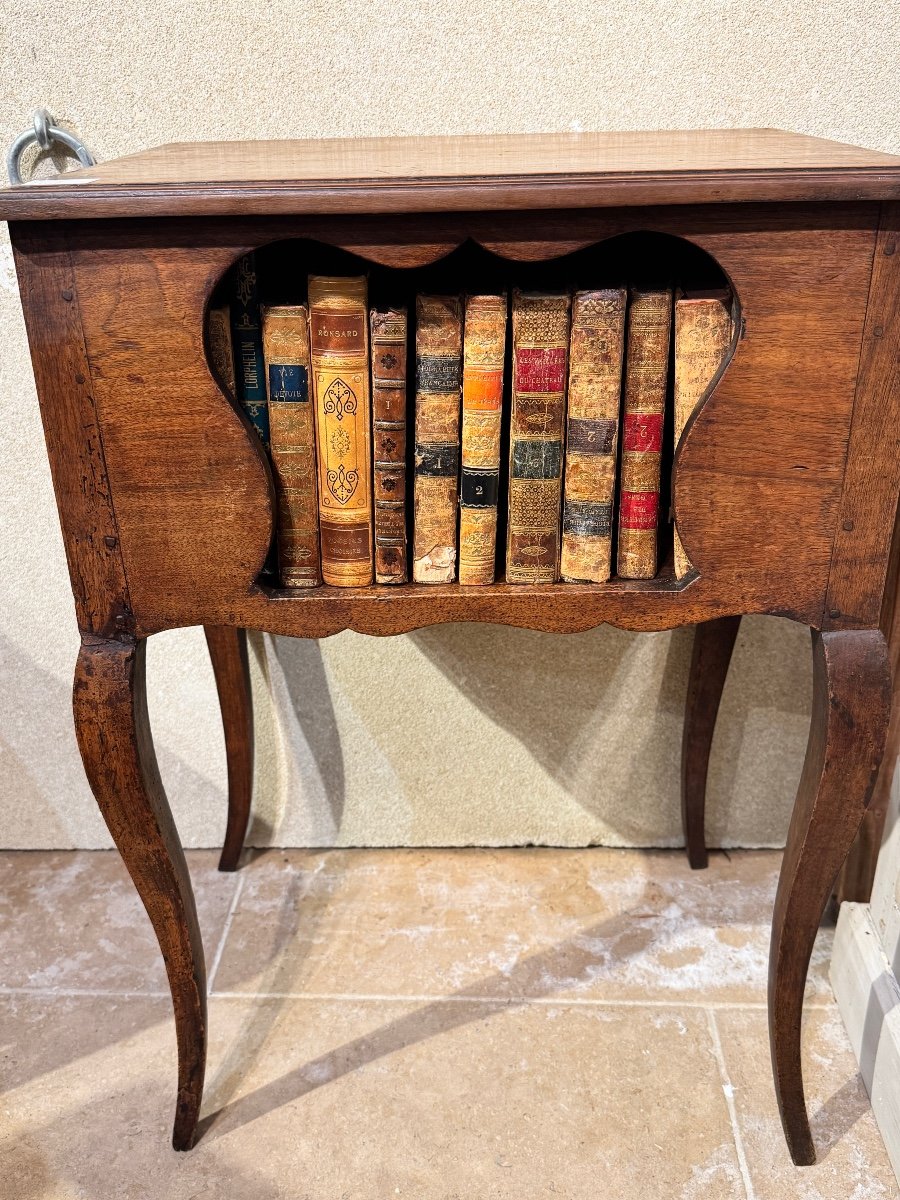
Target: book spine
point(221, 355)
point(596, 349)
point(703, 331)
point(438, 395)
point(646, 370)
point(339, 353)
point(291, 425)
point(540, 344)
point(246, 338)
point(484, 345)
point(389, 337)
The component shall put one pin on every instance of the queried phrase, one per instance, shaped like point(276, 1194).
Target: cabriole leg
point(851, 707)
point(231, 667)
point(713, 647)
point(110, 704)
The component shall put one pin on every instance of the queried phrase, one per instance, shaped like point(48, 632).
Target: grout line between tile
point(502, 1001)
point(226, 929)
point(87, 993)
point(728, 1091)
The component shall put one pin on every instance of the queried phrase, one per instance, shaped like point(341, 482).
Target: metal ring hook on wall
point(44, 134)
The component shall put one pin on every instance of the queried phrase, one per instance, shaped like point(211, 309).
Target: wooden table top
point(489, 171)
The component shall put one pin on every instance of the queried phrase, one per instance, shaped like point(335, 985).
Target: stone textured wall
point(500, 736)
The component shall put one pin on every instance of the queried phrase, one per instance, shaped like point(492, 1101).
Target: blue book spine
point(246, 341)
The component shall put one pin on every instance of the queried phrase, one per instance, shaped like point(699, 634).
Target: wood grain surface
point(418, 174)
point(758, 478)
point(785, 484)
point(231, 667)
point(110, 706)
point(851, 706)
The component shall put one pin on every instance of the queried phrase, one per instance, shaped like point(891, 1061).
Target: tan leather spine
point(220, 353)
point(703, 330)
point(285, 331)
point(537, 425)
point(438, 395)
point(646, 372)
point(484, 346)
point(389, 329)
point(339, 349)
point(596, 349)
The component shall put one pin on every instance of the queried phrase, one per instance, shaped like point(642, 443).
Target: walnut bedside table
point(785, 485)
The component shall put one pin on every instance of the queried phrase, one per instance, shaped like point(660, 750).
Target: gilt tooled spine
point(292, 429)
point(246, 340)
point(389, 337)
point(703, 330)
point(438, 395)
point(646, 370)
point(484, 345)
point(540, 326)
point(339, 353)
point(221, 355)
point(596, 348)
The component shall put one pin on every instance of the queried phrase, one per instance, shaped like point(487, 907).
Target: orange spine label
point(592, 423)
point(540, 347)
point(438, 395)
point(389, 335)
point(703, 330)
point(339, 350)
point(484, 346)
point(293, 443)
point(646, 372)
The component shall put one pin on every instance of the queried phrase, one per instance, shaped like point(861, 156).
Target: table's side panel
point(72, 431)
point(872, 484)
point(193, 490)
point(759, 473)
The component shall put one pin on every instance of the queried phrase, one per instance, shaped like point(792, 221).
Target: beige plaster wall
point(495, 736)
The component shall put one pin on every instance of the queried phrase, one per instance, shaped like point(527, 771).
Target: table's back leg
point(713, 647)
point(109, 699)
point(858, 873)
point(851, 707)
point(231, 667)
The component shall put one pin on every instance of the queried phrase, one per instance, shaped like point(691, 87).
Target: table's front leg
point(851, 708)
point(110, 703)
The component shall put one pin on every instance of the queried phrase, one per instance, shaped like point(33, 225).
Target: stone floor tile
point(73, 920)
point(602, 924)
point(852, 1161)
point(367, 1100)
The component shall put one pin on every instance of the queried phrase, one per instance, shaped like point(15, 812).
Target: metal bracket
point(44, 134)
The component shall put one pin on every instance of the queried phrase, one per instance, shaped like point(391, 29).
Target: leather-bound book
point(221, 356)
point(389, 334)
point(703, 331)
point(292, 429)
point(596, 348)
point(438, 389)
point(540, 330)
point(484, 346)
point(646, 372)
point(246, 340)
point(339, 351)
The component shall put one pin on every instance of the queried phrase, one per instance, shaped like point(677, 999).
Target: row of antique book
point(325, 387)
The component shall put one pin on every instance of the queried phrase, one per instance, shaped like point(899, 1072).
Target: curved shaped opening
point(641, 262)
